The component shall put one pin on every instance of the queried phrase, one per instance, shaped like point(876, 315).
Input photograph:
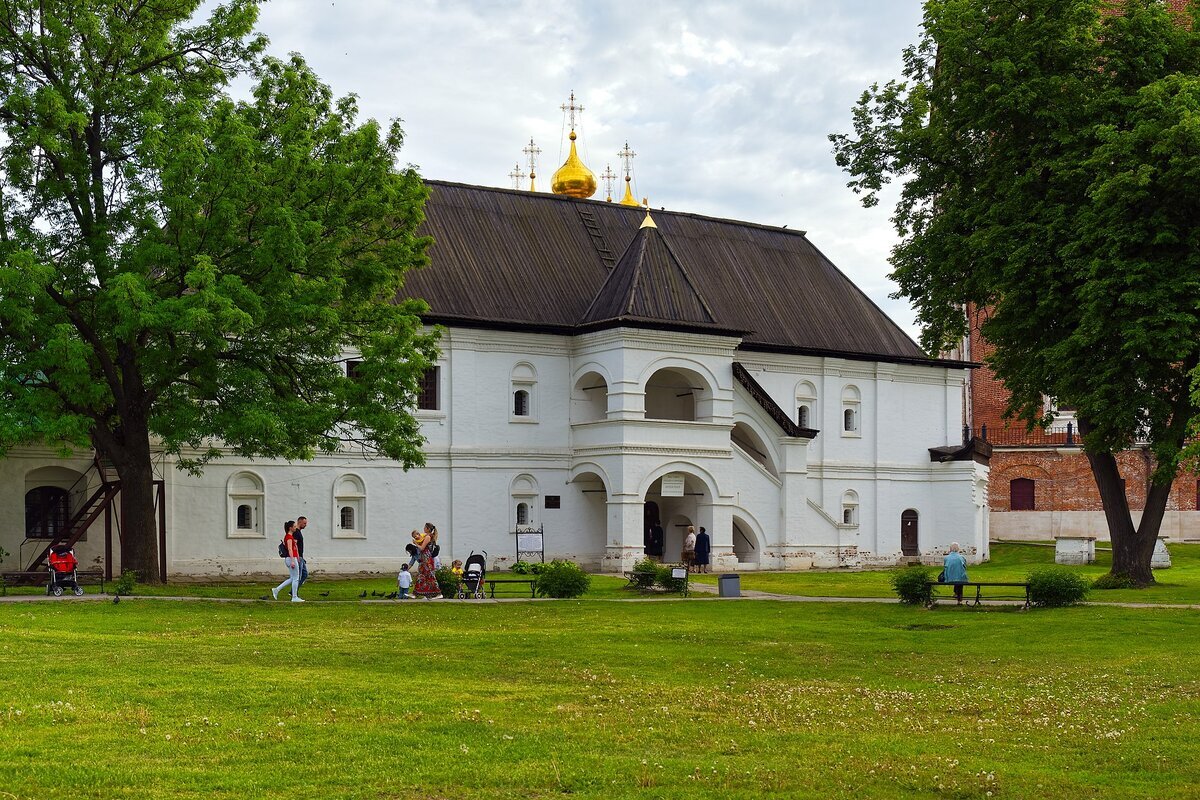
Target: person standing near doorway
point(298, 535)
point(703, 550)
point(688, 555)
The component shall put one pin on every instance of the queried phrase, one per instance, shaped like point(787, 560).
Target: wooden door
point(909, 540)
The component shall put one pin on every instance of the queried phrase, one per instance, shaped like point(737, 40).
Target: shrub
point(912, 585)
point(670, 584)
point(1053, 587)
point(645, 574)
point(562, 579)
point(537, 568)
point(447, 581)
point(1111, 581)
point(520, 567)
point(124, 584)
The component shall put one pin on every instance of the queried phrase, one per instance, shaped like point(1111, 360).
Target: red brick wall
point(1063, 478)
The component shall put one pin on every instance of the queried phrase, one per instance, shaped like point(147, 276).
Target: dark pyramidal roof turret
point(649, 285)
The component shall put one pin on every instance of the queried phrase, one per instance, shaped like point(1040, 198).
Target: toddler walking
point(404, 581)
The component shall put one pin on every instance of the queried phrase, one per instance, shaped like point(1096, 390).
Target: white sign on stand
point(672, 484)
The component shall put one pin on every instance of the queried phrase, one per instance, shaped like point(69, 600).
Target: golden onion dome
point(573, 178)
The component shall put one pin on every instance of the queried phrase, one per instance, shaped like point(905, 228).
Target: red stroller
point(63, 565)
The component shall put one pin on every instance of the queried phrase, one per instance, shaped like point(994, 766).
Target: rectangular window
point(428, 399)
point(352, 369)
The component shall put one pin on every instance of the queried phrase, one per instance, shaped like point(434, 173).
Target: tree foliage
point(183, 272)
point(1049, 155)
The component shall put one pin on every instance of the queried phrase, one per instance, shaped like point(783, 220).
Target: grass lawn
point(595, 699)
point(1010, 562)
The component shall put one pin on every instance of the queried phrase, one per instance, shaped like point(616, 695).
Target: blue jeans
point(303, 572)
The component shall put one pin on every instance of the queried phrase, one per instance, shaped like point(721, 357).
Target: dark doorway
point(653, 536)
point(1021, 495)
point(909, 540)
point(46, 512)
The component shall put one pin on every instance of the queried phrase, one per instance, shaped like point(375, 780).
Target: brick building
point(1041, 485)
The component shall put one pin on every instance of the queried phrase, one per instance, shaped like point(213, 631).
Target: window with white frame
point(851, 411)
point(349, 508)
point(806, 405)
point(850, 508)
point(245, 500)
point(524, 494)
point(524, 397)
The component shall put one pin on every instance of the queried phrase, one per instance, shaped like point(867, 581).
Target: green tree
point(183, 273)
point(1049, 156)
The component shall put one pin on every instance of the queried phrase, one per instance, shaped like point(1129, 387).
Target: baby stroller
point(474, 572)
point(62, 565)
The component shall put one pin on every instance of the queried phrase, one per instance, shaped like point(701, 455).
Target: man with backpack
point(298, 535)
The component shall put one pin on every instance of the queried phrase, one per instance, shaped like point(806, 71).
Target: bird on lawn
point(324, 594)
point(116, 599)
point(265, 597)
point(374, 593)
point(364, 593)
point(392, 596)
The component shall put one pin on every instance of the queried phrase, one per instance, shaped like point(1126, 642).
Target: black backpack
point(283, 551)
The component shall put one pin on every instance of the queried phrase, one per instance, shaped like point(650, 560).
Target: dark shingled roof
point(523, 261)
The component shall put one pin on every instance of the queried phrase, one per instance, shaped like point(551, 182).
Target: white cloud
point(728, 104)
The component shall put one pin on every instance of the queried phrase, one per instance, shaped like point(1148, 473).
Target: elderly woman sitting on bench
point(954, 570)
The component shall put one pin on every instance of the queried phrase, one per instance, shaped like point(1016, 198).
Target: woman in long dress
point(426, 584)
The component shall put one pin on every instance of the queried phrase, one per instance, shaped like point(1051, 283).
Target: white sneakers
point(297, 599)
point(275, 592)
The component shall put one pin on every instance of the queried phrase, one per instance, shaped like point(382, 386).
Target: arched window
point(524, 395)
point(349, 507)
point(850, 508)
point(851, 407)
point(524, 494)
point(47, 510)
point(806, 404)
point(246, 500)
point(1021, 495)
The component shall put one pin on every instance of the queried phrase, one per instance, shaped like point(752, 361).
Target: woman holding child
point(426, 584)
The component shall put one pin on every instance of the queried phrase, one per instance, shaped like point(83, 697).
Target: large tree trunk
point(1132, 547)
point(129, 451)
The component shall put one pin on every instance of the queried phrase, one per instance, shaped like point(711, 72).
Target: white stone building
point(598, 372)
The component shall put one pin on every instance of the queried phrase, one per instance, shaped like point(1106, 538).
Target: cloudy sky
point(728, 104)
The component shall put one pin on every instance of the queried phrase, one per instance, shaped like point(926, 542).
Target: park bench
point(491, 582)
point(979, 585)
point(39, 577)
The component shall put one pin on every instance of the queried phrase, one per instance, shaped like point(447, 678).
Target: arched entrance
point(746, 546)
point(909, 539)
point(682, 499)
point(591, 508)
point(51, 495)
point(653, 533)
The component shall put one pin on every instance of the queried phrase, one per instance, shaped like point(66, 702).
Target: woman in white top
point(689, 547)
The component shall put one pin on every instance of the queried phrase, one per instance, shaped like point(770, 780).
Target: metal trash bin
point(730, 585)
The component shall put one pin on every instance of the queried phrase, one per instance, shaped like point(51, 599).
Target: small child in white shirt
point(404, 581)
